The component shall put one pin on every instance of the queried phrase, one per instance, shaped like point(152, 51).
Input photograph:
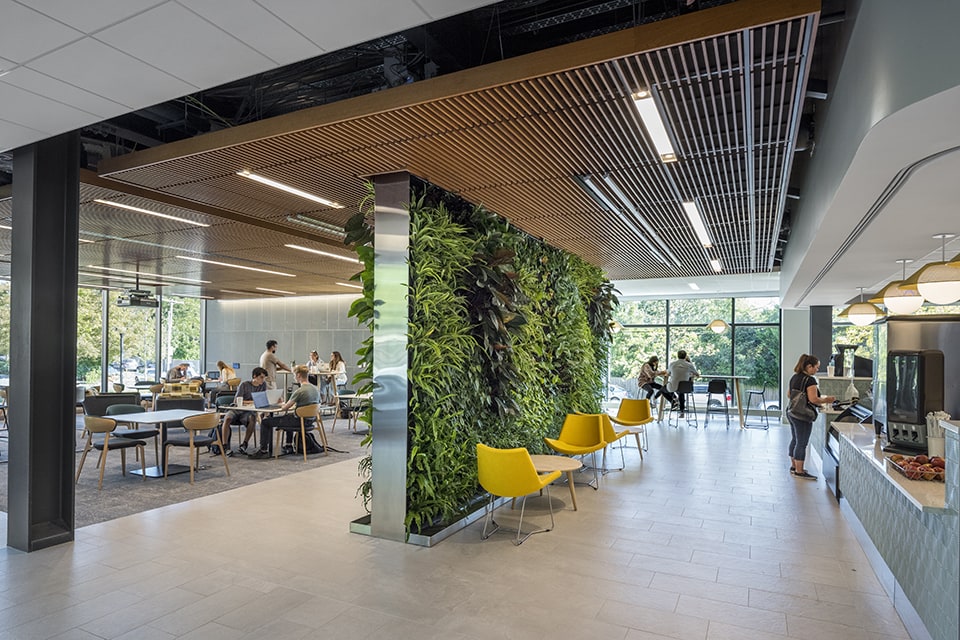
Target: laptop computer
point(261, 401)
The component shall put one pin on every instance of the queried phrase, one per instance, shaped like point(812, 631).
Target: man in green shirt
point(306, 394)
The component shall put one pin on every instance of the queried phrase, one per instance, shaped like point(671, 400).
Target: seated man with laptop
point(306, 394)
point(245, 393)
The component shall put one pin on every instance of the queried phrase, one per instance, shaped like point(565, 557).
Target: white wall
point(237, 330)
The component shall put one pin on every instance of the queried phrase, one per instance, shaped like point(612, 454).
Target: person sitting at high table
point(647, 380)
point(177, 372)
point(681, 370)
point(244, 396)
point(337, 375)
point(305, 394)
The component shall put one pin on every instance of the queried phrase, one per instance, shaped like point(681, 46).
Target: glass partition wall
point(750, 346)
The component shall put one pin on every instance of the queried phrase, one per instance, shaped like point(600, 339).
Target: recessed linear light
point(238, 266)
point(107, 276)
point(186, 295)
point(120, 205)
point(696, 221)
point(323, 253)
point(149, 275)
point(694, 286)
point(653, 122)
point(716, 265)
point(85, 240)
point(289, 189)
point(4, 226)
point(586, 182)
point(321, 226)
point(615, 188)
point(239, 293)
point(290, 293)
point(352, 286)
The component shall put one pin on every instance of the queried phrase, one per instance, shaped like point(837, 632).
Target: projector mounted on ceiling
point(137, 298)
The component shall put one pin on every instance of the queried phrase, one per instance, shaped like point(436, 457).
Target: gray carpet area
point(124, 495)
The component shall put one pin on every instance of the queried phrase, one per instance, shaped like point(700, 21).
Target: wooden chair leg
point(303, 439)
point(223, 453)
point(86, 448)
point(323, 437)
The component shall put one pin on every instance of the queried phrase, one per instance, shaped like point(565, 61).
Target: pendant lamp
point(899, 300)
point(717, 326)
point(939, 282)
point(862, 313)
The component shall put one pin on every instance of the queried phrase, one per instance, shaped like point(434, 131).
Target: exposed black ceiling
point(499, 31)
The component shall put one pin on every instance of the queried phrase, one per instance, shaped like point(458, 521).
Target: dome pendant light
point(718, 326)
point(939, 282)
point(862, 313)
point(899, 300)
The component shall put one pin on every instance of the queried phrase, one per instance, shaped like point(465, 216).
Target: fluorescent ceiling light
point(238, 266)
point(85, 240)
point(615, 188)
point(292, 293)
point(239, 293)
point(694, 286)
point(185, 295)
point(289, 189)
point(323, 253)
point(696, 221)
point(352, 286)
point(149, 275)
point(3, 226)
point(324, 227)
point(120, 205)
point(653, 122)
point(137, 281)
point(716, 265)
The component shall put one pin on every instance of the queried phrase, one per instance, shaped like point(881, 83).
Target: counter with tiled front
point(912, 524)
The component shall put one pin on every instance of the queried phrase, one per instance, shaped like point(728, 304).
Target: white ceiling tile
point(38, 83)
point(257, 27)
point(37, 112)
point(25, 34)
point(445, 8)
point(348, 24)
point(111, 74)
point(13, 135)
point(174, 39)
point(91, 15)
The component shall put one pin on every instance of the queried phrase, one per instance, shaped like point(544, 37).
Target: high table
point(736, 391)
point(161, 418)
point(546, 464)
point(286, 382)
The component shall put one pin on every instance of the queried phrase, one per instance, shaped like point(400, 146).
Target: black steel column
point(821, 334)
point(43, 343)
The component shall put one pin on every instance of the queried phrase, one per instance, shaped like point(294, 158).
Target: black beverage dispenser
point(914, 389)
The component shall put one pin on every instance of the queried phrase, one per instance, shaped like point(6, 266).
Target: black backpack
point(313, 446)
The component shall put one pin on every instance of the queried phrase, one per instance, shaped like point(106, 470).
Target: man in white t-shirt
point(681, 370)
point(270, 362)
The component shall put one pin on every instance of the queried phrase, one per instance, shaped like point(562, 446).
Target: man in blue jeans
point(306, 394)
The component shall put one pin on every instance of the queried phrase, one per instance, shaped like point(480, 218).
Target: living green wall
point(507, 335)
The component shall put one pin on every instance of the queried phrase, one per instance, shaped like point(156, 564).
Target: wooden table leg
point(573, 492)
point(736, 388)
point(639, 448)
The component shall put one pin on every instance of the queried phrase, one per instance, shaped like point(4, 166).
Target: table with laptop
point(264, 403)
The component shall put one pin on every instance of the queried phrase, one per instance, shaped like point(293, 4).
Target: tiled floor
point(708, 538)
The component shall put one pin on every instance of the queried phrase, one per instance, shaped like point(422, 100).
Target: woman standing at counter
point(803, 382)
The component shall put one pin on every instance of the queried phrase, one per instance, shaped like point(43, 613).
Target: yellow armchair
point(510, 473)
point(611, 435)
point(581, 434)
point(635, 414)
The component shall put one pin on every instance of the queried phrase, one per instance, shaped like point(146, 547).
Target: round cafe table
point(546, 464)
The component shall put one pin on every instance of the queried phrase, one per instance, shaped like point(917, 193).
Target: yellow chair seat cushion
point(572, 450)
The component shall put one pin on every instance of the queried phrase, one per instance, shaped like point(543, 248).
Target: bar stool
point(684, 387)
point(717, 387)
point(763, 410)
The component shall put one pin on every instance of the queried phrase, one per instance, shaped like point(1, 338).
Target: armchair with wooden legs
point(95, 426)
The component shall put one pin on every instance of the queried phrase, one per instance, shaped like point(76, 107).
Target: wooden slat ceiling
point(514, 136)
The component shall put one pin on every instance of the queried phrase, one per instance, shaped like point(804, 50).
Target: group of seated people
point(332, 377)
point(680, 370)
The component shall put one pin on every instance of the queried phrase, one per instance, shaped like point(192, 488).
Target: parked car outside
point(700, 397)
point(616, 393)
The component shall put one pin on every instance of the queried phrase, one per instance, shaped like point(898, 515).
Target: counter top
point(825, 377)
point(951, 425)
point(926, 495)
